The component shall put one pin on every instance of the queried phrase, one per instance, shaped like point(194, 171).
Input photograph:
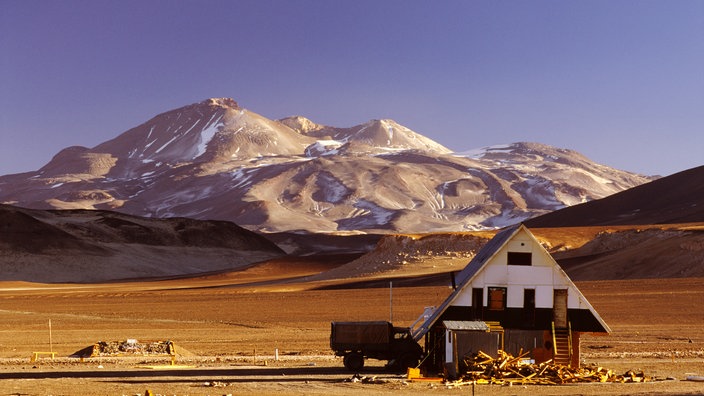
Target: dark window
point(497, 298)
point(519, 258)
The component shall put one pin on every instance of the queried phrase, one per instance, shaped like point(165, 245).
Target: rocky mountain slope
point(639, 235)
point(101, 246)
point(633, 252)
point(655, 230)
point(216, 160)
point(678, 198)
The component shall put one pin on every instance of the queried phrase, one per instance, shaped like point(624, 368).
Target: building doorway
point(559, 308)
point(477, 303)
point(529, 307)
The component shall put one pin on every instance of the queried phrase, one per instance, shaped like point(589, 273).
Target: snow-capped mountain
point(216, 160)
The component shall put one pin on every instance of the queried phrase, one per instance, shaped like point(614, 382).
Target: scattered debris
point(129, 347)
point(365, 379)
point(508, 370)
point(126, 347)
point(132, 347)
point(215, 384)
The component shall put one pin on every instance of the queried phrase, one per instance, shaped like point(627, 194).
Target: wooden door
point(529, 307)
point(477, 303)
point(559, 308)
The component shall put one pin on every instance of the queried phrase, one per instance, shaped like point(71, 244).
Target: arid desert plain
point(265, 330)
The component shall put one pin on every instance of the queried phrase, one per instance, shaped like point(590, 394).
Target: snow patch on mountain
point(166, 144)
point(207, 134)
point(366, 215)
point(242, 177)
point(506, 218)
point(330, 189)
point(479, 153)
point(324, 147)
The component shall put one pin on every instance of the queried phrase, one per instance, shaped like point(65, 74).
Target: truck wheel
point(353, 361)
point(408, 360)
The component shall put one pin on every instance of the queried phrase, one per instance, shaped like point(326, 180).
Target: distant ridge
point(100, 246)
point(216, 160)
point(678, 198)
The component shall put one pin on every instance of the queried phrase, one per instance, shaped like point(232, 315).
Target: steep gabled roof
point(485, 255)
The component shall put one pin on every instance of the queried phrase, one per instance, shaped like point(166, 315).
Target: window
point(519, 258)
point(497, 298)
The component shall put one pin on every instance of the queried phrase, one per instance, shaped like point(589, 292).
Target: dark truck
point(355, 341)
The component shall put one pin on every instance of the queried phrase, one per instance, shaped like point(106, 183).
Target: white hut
point(526, 300)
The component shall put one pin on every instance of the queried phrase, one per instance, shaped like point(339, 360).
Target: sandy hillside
point(98, 246)
point(586, 253)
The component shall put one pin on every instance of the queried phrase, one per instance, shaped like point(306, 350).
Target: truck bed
point(351, 335)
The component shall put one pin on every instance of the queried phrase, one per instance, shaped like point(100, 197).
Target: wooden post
point(51, 344)
point(391, 301)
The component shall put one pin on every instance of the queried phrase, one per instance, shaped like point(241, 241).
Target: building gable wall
point(533, 274)
point(543, 275)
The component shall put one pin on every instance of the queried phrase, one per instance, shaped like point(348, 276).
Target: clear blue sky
point(619, 81)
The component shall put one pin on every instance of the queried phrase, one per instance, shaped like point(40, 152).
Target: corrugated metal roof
point(465, 325)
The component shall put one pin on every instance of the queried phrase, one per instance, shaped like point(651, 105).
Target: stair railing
point(569, 338)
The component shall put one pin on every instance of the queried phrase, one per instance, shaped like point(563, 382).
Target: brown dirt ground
point(229, 325)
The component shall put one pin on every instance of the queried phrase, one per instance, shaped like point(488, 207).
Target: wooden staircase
point(562, 345)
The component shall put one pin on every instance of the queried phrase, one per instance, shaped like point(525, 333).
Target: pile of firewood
point(508, 370)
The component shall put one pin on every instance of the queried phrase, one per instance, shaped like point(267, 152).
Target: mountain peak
point(387, 133)
point(222, 102)
point(301, 124)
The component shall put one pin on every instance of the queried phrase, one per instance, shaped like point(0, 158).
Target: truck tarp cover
point(361, 332)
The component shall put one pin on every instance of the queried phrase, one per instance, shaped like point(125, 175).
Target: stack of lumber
point(508, 370)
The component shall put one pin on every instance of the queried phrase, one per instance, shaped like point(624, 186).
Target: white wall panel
point(448, 346)
point(464, 298)
point(496, 275)
point(544, 276)
point(520, 245)
point(543, 296)
point(559, 279)
point(514, 297)
point(529, 275)
point(573, 299)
